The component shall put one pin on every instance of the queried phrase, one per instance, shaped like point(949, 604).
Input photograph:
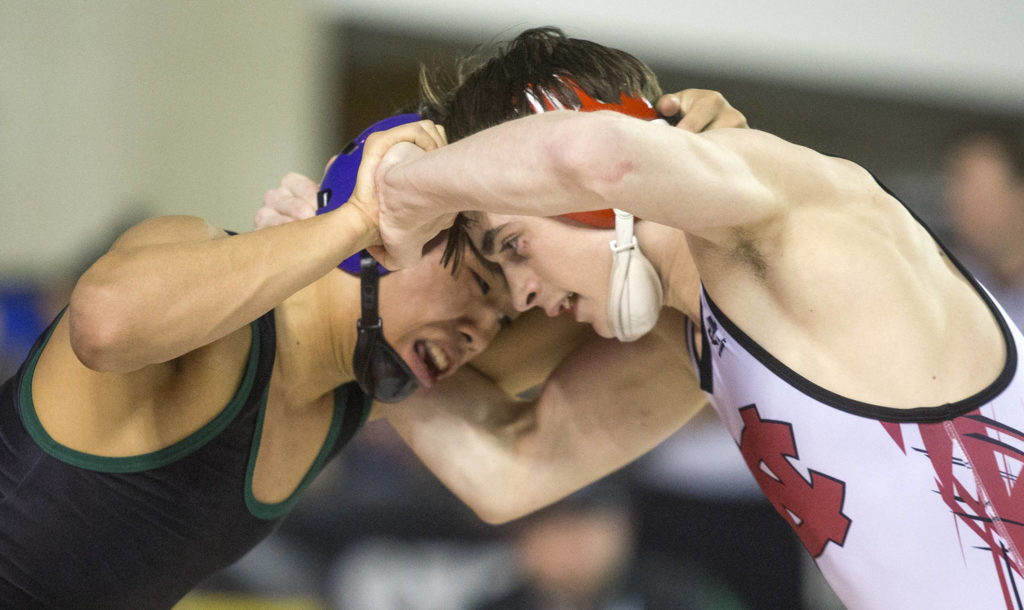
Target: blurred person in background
point(582, 553)
point(984, 172)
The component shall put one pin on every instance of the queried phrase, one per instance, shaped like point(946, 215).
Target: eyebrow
point(487, 241)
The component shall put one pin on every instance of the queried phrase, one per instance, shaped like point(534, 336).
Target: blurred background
point(115, 110)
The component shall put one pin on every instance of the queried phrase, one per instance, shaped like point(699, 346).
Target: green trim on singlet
point(264, 510)
point(145, 461)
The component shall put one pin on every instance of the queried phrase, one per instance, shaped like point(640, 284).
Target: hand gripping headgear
point(378, 368)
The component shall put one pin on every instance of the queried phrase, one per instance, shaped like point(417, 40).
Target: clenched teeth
point(437, 357)
point(569, 301)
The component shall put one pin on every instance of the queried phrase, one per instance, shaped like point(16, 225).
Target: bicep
point(709, 183)
point(165, 230)
point(607, 404)
point(630, 395)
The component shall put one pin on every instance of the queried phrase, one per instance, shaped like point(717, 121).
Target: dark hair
point(489, 88)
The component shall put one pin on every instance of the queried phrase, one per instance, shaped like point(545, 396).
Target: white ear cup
point(635, 295)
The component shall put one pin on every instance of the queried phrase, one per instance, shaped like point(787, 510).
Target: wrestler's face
point(557, 265)
point(437, 321)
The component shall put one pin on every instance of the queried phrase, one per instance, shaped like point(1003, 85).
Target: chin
point(603, 330)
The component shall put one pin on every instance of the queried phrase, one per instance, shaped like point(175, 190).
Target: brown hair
point(489, 88)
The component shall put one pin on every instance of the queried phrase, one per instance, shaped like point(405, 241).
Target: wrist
point(409, 186)
point(353, 229)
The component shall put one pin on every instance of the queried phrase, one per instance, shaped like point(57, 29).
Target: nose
point(524, 286)
point(478, 329)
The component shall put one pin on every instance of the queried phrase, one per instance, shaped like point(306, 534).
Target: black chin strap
point(369, 281)
point(378, 368)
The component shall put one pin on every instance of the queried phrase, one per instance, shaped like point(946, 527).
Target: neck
point(666, 248)
point(316, 333)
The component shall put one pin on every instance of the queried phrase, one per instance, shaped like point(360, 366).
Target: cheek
point(589, 271)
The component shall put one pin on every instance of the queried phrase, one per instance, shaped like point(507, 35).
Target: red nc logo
point(814, 508)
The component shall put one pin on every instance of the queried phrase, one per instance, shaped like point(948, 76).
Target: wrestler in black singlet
point(84, 531)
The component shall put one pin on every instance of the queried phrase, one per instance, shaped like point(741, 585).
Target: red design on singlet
point(814, 508)
point(993, 507)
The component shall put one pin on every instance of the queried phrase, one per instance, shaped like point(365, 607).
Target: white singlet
point(901, 508)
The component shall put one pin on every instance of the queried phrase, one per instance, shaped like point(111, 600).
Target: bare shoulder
point(122, 414)
point(168, 229)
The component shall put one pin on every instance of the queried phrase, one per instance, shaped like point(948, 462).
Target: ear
point(635, 296)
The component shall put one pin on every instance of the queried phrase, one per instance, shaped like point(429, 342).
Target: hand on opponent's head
point(295, 198)
point(701, 110)
point(406, 224)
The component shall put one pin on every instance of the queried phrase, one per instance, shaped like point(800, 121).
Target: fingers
point(425, 134)
point(300, 186)
point(669, 104)
point(699, 109)
point(295, 199)
point(432, 135)
point(267, 217)
point(702, 110)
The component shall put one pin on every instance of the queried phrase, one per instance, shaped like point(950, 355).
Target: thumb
point(669, 104)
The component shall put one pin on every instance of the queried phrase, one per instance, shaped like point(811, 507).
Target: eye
point(481, 282)
point(511, 247)
point(504, 321)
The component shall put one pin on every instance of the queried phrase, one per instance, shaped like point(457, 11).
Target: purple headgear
point(340, 179)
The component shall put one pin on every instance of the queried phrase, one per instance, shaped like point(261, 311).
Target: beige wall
point(110, 106)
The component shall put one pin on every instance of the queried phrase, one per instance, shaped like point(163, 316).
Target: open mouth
point(434, 358)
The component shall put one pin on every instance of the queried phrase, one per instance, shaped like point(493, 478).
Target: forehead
point(431, 276)
point(472, 256)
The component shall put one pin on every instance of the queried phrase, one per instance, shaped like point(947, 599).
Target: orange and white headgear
point(635, 294)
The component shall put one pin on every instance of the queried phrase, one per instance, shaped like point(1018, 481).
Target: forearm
point(174, 284)
point(467, 432)
point(606, 405)
point(559, 162)
point(518, 167)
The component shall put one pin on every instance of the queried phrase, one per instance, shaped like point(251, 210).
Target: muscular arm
point(522, 356)
point(559, 162)
point(172, 284)
point(604, 406)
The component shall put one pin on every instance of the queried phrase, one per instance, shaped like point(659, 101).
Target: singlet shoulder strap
point(351, 409)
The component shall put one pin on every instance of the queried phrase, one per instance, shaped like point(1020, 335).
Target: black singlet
point(85, 531)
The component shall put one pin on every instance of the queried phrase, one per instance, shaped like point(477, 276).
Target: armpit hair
point(747, 252)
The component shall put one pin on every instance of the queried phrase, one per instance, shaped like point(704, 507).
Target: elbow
point(96, 325)
point(499, 513)
point(492, 518)
point(502, 498)
point(588, 151)
point(515, 500)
